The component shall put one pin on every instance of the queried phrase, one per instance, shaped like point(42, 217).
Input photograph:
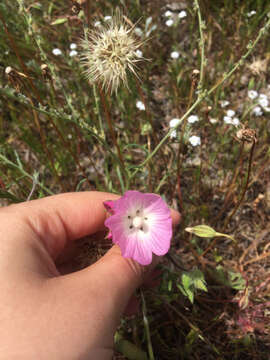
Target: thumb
point(113, 277)
point(93, 299)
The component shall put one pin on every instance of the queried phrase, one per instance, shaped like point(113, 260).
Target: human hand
point(45, 315)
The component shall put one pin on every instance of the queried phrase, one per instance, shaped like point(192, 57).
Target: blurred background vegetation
point(212, 298)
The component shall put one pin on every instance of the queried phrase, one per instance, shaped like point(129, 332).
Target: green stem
point(147, 329)
point(205, 94)
point(201, 27)
point(33, 179)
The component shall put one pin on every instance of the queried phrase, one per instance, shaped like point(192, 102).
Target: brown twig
point(245, 188)
point(179, 157)
point(230, 189)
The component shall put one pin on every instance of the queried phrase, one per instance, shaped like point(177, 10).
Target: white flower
point(107, 18)
point(140, 105)
point(73, 46)
point(192, 119)
point(195, 140)
point(224, 103)
point(235, 121)
point(57, 52)
point(175, 55)
point(97, 23)
point(251, 13)
point(168, 13)
point(174, 122)
point(139, 53)
point(73, 53)
point(138, 31)
point(227, 119)
point(213, 121)
point(263, 102)
point(182, 14)
point(257, 111)
point(230, 113)
point(173, 134)
point(169, 22)
point(252, 94)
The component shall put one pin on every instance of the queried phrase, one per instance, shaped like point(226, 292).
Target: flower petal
point(161, 238)
point(137, 248)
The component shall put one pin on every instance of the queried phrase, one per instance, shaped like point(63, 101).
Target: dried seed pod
point(15, 77)
point(195, 77)
point(257, 201)
point(248, 135)
point(45, 72)
point(76, 7)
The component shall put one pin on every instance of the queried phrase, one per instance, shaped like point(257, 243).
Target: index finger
point(59, 219)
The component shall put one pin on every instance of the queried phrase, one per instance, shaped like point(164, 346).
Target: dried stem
point(179, 157)
point(245, 188)
point(230, 189)
point(23, 66)
point(111, 128)
point(44, 145)
point(201, 44)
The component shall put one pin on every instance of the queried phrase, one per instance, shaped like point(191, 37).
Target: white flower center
point(137, 221)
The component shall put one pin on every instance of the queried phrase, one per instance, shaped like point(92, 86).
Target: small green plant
point(191, 282)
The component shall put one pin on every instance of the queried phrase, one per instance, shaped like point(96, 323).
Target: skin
point(45, 315)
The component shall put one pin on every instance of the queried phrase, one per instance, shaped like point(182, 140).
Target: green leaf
point(59, 21)
point(186, 281)
point(200, 284)
point(190, 295)
point(129, 350)
point(229, 278)
point(198, 280)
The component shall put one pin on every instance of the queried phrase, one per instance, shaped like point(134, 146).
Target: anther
point(131, 226)
point(137, 212)
point(129, 217)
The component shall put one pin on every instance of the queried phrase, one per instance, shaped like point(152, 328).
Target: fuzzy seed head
point(109, 52)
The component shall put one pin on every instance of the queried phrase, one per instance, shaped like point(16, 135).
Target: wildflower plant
point(110, 51)
point(172, 135)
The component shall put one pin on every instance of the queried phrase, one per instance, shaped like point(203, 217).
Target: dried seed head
point(109, 52)
point(76, 7)
point(195, 77)
point(15, 77)
point(45, 72)
point(248, 135)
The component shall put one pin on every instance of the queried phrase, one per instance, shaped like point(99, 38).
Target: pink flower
point(141, 224)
